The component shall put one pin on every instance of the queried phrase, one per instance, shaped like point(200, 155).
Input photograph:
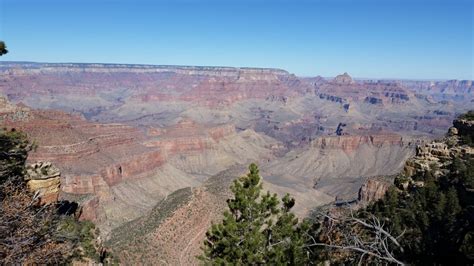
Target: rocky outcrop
point(434, 158)
point(133, 168)
point(89, 209)
point(373, 100)
point(373, 189)
point(332, 98)
point(428, 157)
point(274, 98)
point(43, 179)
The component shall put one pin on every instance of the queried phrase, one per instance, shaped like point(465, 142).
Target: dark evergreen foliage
point(31, 233)
point(3, 48)
point(437, 219)
point(257, 229)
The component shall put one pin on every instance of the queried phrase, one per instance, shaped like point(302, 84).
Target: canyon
point(149, 151)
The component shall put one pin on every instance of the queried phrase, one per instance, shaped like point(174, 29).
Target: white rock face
point(44, 180)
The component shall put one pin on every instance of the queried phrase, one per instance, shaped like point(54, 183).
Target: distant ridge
point(27, 64)
point(278, 71)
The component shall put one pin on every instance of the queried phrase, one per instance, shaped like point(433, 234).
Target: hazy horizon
point(302, 76)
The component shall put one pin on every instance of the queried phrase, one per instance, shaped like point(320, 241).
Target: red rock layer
point(187, 136)
point(206, 85)
point(95, 157)
point(343, 89)
point(92, 157)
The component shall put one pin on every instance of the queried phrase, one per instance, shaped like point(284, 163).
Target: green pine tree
point(3, 48)
point(257, 229)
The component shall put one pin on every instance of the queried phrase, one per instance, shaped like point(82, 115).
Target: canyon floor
point(149, 152)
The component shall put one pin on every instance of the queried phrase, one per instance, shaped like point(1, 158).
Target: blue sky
point(381, 39)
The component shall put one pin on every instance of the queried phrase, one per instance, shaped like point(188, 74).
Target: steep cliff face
point(90, 150)
point(373, 189)
point(187, 136)
point(350, 144)
point(209, 86)
point(379, 93)
point(43, 179)
point(93, 158)
point(14, 68)
point(434, 157)
point(337, 165)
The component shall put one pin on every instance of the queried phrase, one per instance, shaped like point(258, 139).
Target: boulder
point(43, 179)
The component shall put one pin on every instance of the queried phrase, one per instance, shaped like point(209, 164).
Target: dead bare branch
point(364, 236)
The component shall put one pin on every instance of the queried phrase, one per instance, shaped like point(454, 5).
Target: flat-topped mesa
point(343, 79)
point(218, 71)
point(114, 84)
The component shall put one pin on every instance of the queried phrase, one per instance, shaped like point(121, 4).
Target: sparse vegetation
point(141, 226)
point(432, 220)
point(31, 233)
point(130, 239)
point(257, 229)
point(436, 221)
